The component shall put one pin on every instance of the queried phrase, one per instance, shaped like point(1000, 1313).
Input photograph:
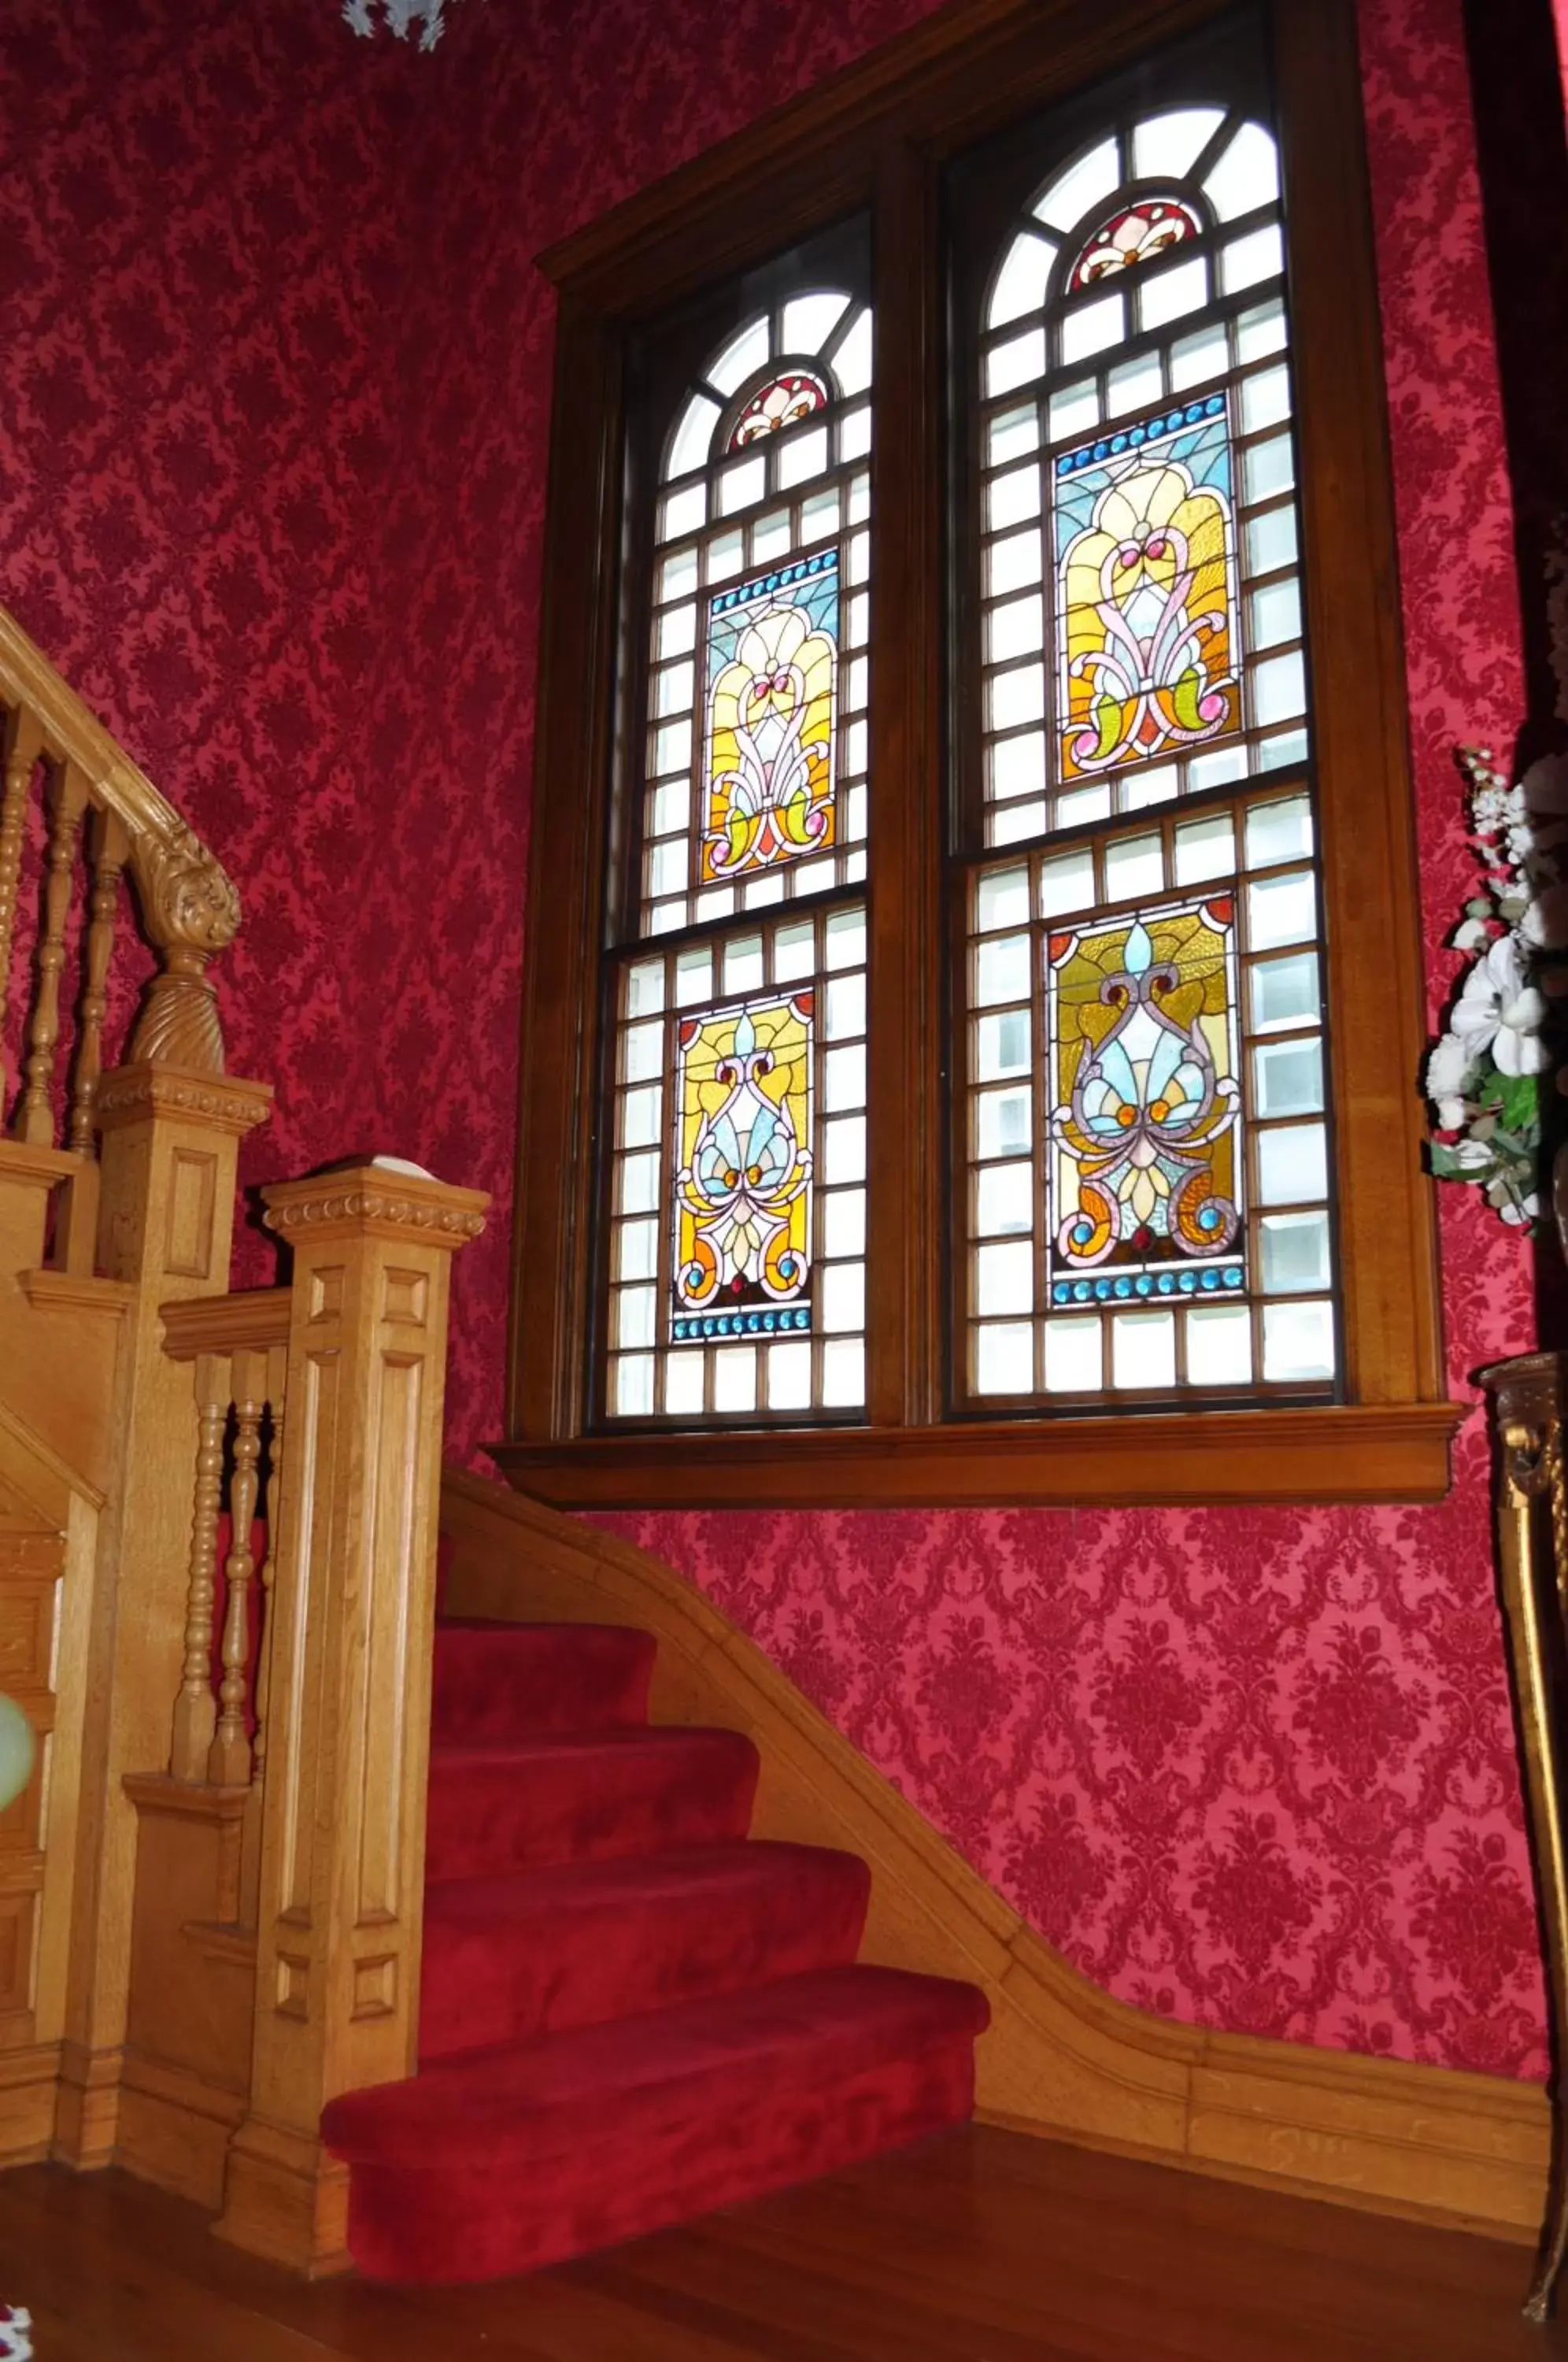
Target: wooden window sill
point(1396, 1452)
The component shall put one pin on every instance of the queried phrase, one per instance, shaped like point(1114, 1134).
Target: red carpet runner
point(631, 2012)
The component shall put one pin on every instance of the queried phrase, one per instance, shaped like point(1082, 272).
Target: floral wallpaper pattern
point(272, 451)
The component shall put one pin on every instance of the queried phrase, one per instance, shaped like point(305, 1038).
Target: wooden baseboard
point(30, 2094)
point(175, 2128)
point(1062, 2058)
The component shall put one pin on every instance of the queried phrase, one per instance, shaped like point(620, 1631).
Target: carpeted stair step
point(511, 1958)
point(515, 1805)
point(538, 1681)
point(509, 2158)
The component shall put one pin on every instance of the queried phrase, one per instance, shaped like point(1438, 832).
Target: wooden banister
point(188, 904)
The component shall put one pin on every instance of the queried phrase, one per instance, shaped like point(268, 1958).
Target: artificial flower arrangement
point(1485, 1075)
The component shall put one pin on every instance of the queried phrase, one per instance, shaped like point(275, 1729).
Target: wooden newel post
point(339, 1919)
point(1528, 1400)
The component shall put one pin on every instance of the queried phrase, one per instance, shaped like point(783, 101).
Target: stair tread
point(532, 2099)
point(678, 1874)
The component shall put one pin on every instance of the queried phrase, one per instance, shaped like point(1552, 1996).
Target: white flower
point(1500, 1011)
point(1472, 936)
point(1518, 1213)
point(1452, 1114)
point(1448, 1063)
point(1473, 1155)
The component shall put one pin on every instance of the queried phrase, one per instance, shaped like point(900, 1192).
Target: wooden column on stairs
point(339, 1911)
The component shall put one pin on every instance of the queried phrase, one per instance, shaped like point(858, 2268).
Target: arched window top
point(1171, 181)
point(785, 366)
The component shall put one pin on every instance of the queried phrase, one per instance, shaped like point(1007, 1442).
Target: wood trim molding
point(1062, 2058)
point(254, 1319)
point(1360, 1452)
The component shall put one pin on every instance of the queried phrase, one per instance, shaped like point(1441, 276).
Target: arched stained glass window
point(1147, 1202)
point(735, 1282)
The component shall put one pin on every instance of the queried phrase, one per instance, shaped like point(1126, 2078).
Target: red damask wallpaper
point(272, 447)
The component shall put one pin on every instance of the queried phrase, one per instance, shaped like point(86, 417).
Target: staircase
point(630, 2012)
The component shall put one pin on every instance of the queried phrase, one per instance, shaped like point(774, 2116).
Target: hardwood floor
point(977, 2247)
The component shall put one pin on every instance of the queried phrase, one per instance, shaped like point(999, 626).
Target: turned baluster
point(277, 1363)
point(67, 802)
point(110, 847)
point(228, 1763)
point(24, 744)
point(195, 1714)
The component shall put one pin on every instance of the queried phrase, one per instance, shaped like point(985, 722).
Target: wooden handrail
point(251, 1321)
point(188, 902)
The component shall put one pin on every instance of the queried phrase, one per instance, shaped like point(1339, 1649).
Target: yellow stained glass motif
point(1146, 584)
point(772, 693)
point(743, 1189)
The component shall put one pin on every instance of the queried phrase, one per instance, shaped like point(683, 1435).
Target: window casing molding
point(879, 137)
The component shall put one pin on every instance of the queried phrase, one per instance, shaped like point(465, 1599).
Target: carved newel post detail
point(192, 911)
point(1533, 1546)
point(352, 1601)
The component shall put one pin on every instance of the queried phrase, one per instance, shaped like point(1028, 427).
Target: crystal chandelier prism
point(399, 16)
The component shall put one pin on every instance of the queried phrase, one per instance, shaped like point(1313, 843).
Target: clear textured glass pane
point(1172, 294)
point(1282, 910)
point(1287, 1077)
point(677, 575)
point(1268, 467)
point(788, 1378)
point(1293, 1165)
point(742, 484)
point(1002, 1123)
point(1004, 1201)
point(743, 964)
point(1013, 433)
point(1294, 1252)
point(846, 939)
point(1279, 688)
point(1001, 1046)
point(1017, 766)
point(1066, 882)
point(684, 513)
point(683, 1376)
point(1203, 355)
point(666, 867)
point(642, 1053)
point(631, 1384)
point(672, 689)
point(1216, 770)
point(1091, 328)
point(1074, 407)
point(688, 447)
point(803, 457)
point(745, 352)
point(1219, 1345)
point(672, 746)
point(1166, 147)
point(1142, 1348)
point(1073, 1357)
point(1004, 1359)
point(844, 1221)
point(1084, 805)
point(810, 320)
point(771, 537)
point(677, 631)
point(634, 1316)
point(726, 556)
point(734, 1378)
point(1016, 629)
point(1276, 614)
point(665, 916)
point(819, 517)
point(1246, 176)
point(636, 1250)
point(844, 1150)
point(1016, 697)
point(1265, 399)
point(844, 1372)
point(638, 1183)
point(1010, 824)
point(639, 1117)
point(1287, 750)
point(1155, 785)
point(1083, 184)
point(1133, 865)
point(1014, 564)
point(1284, 992)
point(1001, 900)
point(645, 988)
point(1299, 1342)
point(1002, 970)
point(855, 435)
point(1280, 832)
point(794, 952)
point(1261, 332)
point(1271, 540)
point(844, 1006)
point(841, 1288)
point(1134, 385)
point(1021, 283)
point(693, 975)
point(1205, 848)
point(1012, 498)
point(1247, 259)
point(759, 893)
point(1017, 362)
point(843, 1080)
point(852, 361)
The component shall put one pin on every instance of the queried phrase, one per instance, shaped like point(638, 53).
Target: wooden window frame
point(878, 136)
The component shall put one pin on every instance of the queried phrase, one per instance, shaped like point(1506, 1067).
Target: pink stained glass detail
point(781, 402)
point(1134, 234)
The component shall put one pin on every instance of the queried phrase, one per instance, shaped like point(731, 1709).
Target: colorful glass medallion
point(743, 1189)
point(1146, 590)
point(1143, 1185)
point(772, 684)
point(783, 402)
point(1134, 234)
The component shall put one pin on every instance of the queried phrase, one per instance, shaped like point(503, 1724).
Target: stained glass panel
point(742, 1180)
point(1134, 234)
point(1143, 1181)
point(783, 402)
point(771, 709)
point(1145, 549)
